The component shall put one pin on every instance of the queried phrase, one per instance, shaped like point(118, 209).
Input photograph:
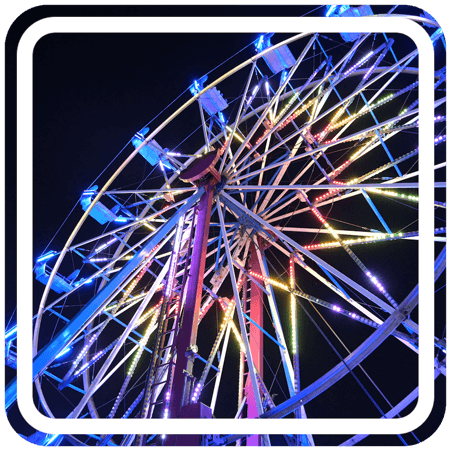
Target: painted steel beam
point(187, 335)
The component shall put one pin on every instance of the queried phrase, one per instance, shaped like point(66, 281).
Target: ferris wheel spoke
point(227, 150)
point(323, 201)
point(294, 245)
point(338, 289)
point(131, 227)
point(265, 212)
point(334, 107)
point(279, 177)
point(269, 106)
point(299, 108)
point(268, 124)
point(221, 365)
point(269, 132)
point(318, 149)
point(339, 310)
point(334, 287)
point(373, 143)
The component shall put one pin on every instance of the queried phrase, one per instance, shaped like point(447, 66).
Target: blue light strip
point(66, 350)
point(336, 283)
point(69, 385)
point(46, 256)
point(218, 251)
point(265, 332)
point(375, 210)
point(12, 332)
point(330, 10)
point(379, 136)
point(197, 356)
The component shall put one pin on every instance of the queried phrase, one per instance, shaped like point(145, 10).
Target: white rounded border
point(250, 25)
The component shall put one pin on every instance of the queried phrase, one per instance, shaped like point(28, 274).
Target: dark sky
point(93, 92)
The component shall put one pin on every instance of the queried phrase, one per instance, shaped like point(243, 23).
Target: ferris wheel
point(287, 208)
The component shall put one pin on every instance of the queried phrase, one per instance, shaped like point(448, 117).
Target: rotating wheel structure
point(301, 176)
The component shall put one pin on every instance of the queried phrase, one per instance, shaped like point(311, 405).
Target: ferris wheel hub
point(202, 170)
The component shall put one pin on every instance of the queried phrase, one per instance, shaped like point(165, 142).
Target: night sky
point(92, 92)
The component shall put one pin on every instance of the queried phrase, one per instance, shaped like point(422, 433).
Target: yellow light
point(235, 135)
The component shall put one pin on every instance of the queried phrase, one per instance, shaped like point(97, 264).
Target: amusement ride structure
point(186, 300)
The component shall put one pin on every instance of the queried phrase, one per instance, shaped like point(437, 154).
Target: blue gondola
point(347, 11)
point(60, 284)
point(212, 100)
point(278, 59)
point(152, 151)
point(99, 212)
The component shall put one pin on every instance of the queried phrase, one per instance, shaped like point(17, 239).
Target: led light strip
point(94, 359)
point(358, 262)
point(225, 321)
point(357, 180)
point(316, 300)
point(370, 239)
point(297, 94)
point(293, 306)
point(239, 138)
point(233, 325)
point(365, 110)
point(137, 356)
